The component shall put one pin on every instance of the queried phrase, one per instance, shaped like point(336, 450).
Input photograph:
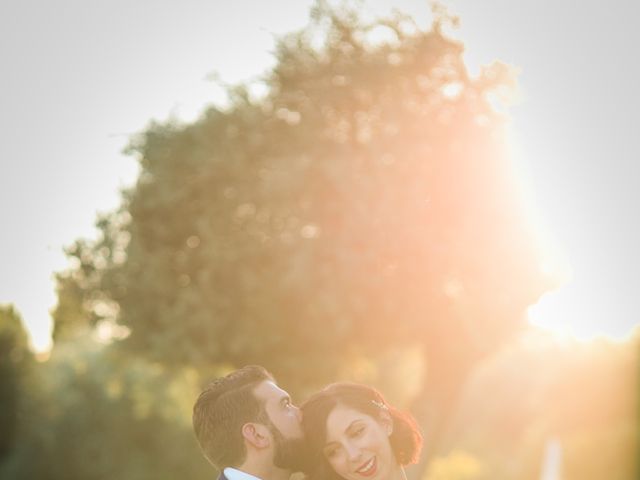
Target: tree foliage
point(581, 395)
point(15, 358)
point(93, 414)
point(365, 201)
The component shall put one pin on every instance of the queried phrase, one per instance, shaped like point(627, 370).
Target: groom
point(248, 428)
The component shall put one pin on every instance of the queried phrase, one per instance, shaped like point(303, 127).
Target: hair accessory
point(378, 404)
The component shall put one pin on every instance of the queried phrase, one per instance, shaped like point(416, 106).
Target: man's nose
point(299, 414)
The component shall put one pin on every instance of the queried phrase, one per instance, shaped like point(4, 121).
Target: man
point(248, 428)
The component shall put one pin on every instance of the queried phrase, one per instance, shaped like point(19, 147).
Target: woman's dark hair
point(406, 439)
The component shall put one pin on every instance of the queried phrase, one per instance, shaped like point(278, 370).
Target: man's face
point(286, 425)
point(285, 416)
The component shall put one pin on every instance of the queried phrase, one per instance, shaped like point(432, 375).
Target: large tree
point(365, 203)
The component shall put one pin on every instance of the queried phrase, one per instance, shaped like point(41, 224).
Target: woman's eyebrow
point(349, 427)
point(353, 424)
point(345, 430)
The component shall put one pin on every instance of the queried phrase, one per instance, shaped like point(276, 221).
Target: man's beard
point(289, 452)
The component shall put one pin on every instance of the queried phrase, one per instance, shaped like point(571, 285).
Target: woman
point(354, 434)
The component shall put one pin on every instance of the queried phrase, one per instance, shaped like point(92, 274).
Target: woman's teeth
point(368, 468)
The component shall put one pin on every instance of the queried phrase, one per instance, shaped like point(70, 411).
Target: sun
point(570, 316)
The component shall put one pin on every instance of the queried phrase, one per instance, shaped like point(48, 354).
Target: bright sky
point(78, 78)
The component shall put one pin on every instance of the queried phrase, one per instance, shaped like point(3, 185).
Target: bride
point(354, 434)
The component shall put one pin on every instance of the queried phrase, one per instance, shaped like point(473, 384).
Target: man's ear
point(386, 421)
point(256, 435)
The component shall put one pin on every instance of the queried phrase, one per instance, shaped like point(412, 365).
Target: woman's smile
point(369, 468)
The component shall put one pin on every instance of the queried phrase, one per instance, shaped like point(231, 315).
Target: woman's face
point(357, 445)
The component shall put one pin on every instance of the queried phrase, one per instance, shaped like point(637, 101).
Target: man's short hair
point(221, 410)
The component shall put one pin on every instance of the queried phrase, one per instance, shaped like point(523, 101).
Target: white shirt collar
point(235, 474)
